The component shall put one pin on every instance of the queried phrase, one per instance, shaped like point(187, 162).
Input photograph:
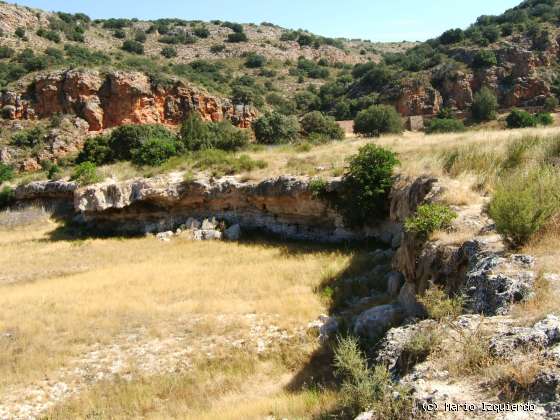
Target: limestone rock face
point(283, 205)
point(494, 283)
point(543, 334)
point(109, 100)
point(392, 350)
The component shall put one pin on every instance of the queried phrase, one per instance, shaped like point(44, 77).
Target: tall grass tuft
point(524, 202)
point(365, 388)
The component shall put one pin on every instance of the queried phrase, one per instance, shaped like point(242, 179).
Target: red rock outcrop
point(418, 97)
point(117, 98)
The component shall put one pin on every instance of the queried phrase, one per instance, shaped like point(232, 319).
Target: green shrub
point(29, 138)
point(6, 52)
point(491, 33)
point(237, 37)
point(366, 186)
point(182, 37)
point(440, 306)
point(377, 120)
point(524, 202)
point(140, 36)
point(85, 174)
point(154, 152)
point(116, 23)
point(550, 103)
point(194, 133)
point(6, 173)
point(225, 136)
point(201, 32)
point(317, 123)
point(199, 135)
point(544, 118)
point(50, 35)
point(7, 197)
point(96, 150)
point(81, 56)
point(119, 34)
point(366, 389)
point(485, 105)
point(318, 187)
point(53, 172)
point(133, 47)
point(520, 119)
point(127, 138)
point(235, 27)
point(445, 125)
point(307, 101)
point(20, 33)
point(429, 218)
point(274, 128)
point(254, 61)
point(169, 52)
point(218, 48)
point(452, 36)
point(485, 58)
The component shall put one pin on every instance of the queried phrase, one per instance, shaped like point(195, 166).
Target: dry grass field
point(207, 324)
point(137, 328)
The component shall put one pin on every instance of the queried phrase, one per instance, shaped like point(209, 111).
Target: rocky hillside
point(210, 54)
point(514, 54)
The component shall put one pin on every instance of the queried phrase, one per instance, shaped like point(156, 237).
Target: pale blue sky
point(378, 20)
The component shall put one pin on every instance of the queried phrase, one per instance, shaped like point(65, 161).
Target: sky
point(376, 20)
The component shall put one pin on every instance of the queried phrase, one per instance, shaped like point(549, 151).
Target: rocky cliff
point(107, 100)
point(522, 78)
point(284, 206)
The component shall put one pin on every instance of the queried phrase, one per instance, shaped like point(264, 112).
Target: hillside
point(514, 54)
point(56, 38)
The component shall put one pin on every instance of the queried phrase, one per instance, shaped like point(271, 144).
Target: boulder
point(208, 224)
point(395, 280)
point(165, 236)
point(325, 327)
point(233, 233)
point(494, 283)
point(374, 322)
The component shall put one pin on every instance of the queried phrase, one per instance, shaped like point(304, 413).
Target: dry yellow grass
point(60, 297)
point(418, 152)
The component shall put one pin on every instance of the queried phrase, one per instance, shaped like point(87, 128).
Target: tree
point(484, 58)
point(485, 105)
point(154, 152)
point(366, 185)
point(237, 37)
point(273, 128)
point(133, 47)
point(194, 133)
point(169, 52)
point(378, 119)
point(452, 36)
point(520, 119)
point(319, 124)
point(254, 61)
point(550, 104)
